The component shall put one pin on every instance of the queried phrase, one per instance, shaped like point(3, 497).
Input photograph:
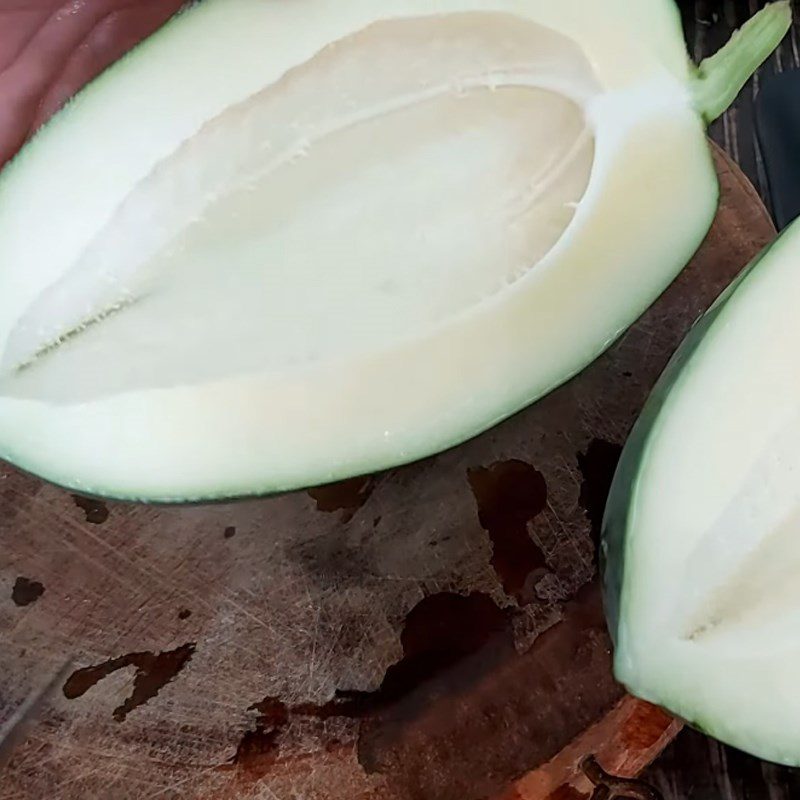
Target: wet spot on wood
point(96, 511)
point(184, 613)
point(470, 680)
point(333, 561)
point(259, 748)
point(153, 672)
point(26, 591)
point(440, 631)
point(230, 532)
point(509, 496)
point(597, 465)
point(459, 681)
point(346, 496)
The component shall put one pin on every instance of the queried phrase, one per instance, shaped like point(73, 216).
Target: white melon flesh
point(329, 239)
point(703, 527)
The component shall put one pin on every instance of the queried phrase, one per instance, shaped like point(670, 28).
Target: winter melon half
point(283, 243)
point(702, 529)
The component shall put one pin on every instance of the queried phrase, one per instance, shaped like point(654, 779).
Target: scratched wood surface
point(429, 633)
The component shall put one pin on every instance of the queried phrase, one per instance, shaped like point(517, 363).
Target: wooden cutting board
point(431, 633)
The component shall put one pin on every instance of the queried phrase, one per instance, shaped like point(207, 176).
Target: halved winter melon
point(285, 243)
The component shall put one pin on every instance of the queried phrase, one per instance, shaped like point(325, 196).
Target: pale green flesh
point(334, 251)
point(377, 238)
point(709, 619)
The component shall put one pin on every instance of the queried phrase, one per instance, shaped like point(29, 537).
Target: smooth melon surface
point(701, 532)
point(333, 240)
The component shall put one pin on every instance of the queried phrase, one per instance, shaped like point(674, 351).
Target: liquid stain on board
point(440, 724)
point(95, 511)
point(346, 496)
point(453, 648)
point(26, 591)
point(493, 713)
point(597, 465)
point(153, 672)
point(440, 631)
point(509, 496)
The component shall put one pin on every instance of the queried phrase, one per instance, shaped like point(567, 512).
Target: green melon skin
point(618, 533)
point(616, 519)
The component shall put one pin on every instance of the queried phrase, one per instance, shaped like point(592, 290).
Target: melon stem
point(719, 78)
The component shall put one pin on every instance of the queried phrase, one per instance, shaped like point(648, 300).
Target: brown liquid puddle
point(26, 591)
point(440, 631)
point(153, 672)
point(509, 496)
point(346, 496)
point(461, 682)
point(597, 465)
point(96, 511)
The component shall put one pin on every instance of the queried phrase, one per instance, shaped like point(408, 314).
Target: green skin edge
point(617, 530)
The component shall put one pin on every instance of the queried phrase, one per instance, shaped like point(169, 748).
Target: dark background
point(694, 767)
